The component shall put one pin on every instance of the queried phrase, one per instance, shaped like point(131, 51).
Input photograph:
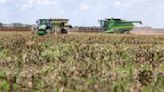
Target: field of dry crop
point(81, 63)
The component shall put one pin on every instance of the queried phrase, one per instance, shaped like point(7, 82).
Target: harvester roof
point(60, 20)
point(111, 19)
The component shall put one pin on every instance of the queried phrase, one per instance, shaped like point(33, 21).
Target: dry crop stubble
point(81, 62)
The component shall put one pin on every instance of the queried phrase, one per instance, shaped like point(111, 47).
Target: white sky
point(83, 12)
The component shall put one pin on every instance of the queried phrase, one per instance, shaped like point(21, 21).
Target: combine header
point(117, 25)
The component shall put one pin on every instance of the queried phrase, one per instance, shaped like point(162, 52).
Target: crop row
point(81, 62)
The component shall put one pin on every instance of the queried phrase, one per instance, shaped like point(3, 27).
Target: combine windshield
point(44, 22)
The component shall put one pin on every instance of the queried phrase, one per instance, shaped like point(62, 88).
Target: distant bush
point(17, 25)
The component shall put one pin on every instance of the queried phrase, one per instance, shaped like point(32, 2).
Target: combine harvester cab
point(43, 26)
point(117, 25)
point(46, 26)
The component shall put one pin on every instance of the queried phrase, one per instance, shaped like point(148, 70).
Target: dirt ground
point(14, 29)
point(137, 31)
point(147, 31)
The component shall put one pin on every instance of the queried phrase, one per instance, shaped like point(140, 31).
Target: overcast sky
point(83, 12)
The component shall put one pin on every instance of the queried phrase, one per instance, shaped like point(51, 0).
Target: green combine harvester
point(45, 26)
point(117, 25)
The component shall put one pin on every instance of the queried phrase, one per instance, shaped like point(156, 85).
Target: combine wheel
point(64, 31)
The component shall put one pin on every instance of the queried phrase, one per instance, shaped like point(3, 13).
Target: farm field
point(81, 62)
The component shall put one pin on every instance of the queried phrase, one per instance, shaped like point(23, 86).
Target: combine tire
point(64, 31)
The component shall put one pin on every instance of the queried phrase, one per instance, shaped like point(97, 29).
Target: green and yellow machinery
point(117, 25)
point(45, 26)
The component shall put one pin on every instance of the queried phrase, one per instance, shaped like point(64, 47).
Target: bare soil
point(147, 31)
point(14, 29)
point(137, 31)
